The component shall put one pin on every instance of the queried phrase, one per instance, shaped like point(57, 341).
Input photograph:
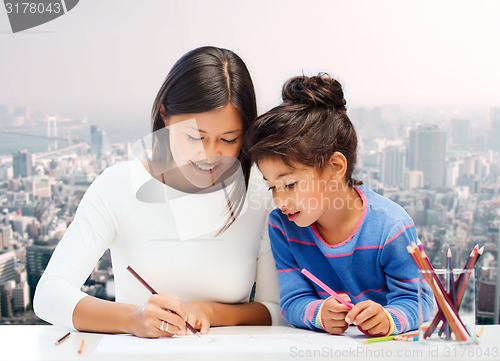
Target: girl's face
point(302, 193)
point(205, 145)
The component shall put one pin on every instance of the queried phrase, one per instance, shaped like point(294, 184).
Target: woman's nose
point(211, 150)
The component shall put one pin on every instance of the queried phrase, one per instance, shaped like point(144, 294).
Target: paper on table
point(217, 343)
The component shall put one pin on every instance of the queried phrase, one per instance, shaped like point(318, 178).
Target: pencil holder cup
point(447, 306)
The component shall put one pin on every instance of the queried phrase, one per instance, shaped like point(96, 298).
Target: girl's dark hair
point(202, 80)
point(307, 127)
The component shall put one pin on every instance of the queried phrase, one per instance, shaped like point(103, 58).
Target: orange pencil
point(80, 350)
point(455, 323)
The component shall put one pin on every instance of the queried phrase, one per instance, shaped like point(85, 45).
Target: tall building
point(96, 141)
point(22, 164)
point(426, 152)
point(37, 258)
point(393, 166)
point(7, 266)
point(6, 236)
point(21, 297)
point(495, 129)
point(460, 133)
point(6, 298)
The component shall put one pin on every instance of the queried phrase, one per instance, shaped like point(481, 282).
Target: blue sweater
point(372, 264)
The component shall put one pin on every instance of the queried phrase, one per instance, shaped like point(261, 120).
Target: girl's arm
point(299, 302)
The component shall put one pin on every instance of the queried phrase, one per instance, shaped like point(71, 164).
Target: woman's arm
point(206, 314)
point(97, 315)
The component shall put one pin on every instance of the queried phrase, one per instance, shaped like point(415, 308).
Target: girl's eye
point(272, 188)
point(193, 139)
point(230, 141)
point(291, 185)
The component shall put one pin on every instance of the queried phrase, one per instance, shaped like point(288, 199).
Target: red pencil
point(441, 297)
point(152, 290)
point(471, 261)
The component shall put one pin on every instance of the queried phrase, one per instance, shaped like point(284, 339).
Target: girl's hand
point(146, 320)
point(199, 315)
point(334, 314)
point(369, 316)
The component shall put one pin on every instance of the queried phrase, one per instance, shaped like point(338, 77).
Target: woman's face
point(205, 145)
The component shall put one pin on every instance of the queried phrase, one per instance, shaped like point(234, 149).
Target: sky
point(107, 58)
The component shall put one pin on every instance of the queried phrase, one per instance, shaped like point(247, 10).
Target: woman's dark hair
point(202, 80)
point(307, 127)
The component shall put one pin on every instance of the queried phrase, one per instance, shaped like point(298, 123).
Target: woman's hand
point(162, 315)
point(370, 317)
point(199, 315)
point(333, 314)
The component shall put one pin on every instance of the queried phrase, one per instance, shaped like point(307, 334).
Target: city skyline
point(426, 53)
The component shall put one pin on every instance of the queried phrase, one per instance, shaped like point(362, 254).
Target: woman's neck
point(337, 225)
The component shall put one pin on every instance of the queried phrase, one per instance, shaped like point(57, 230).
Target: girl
point(351, 238)
point(180, 218)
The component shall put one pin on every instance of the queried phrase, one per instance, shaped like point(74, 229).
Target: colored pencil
point(480, 333)
point(326, 288)
point(451, 288)
point(389, 338)
point(152, 290)
point(80, 350)
point(460, 284)
point(441, 296)
point(62, 338)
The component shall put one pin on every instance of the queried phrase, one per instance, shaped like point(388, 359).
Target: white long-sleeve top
point(169, 238)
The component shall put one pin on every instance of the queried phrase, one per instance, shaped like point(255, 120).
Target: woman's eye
point(193, 139)
point(230, 141)
point(272, 188)
point(291, 185)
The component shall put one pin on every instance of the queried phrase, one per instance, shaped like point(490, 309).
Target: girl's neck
point(337, 225)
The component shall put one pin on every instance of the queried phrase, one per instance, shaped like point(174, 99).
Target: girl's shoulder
point(383, 207)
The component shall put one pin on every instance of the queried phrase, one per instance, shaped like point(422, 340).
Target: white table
point(250, 343)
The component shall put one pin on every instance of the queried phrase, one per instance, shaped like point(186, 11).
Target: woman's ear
point(163, 114)
point(339, 164)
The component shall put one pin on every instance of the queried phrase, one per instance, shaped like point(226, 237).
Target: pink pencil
point(326, 288)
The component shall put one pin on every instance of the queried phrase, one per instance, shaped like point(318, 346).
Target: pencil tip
point(481, 250)
point(449, 252)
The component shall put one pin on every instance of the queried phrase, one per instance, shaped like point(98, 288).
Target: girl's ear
point(339, 164)
point(163, 114)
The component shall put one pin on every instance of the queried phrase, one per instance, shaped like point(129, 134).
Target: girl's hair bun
point(321, 90)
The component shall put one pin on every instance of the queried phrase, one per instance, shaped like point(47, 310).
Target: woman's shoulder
point(119, 176)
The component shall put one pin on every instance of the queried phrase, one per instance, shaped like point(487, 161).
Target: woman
point(189, 218)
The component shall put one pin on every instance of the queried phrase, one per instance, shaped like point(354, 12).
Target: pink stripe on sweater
point(401, 318)
point(397, 234)
point(288, 270)
point(312, 308)
point(291, 239)
point(275, 226)
point(349, 253)
point(360, 221)
point(362, 293)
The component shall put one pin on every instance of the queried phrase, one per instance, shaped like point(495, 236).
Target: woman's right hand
point(162, 315)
